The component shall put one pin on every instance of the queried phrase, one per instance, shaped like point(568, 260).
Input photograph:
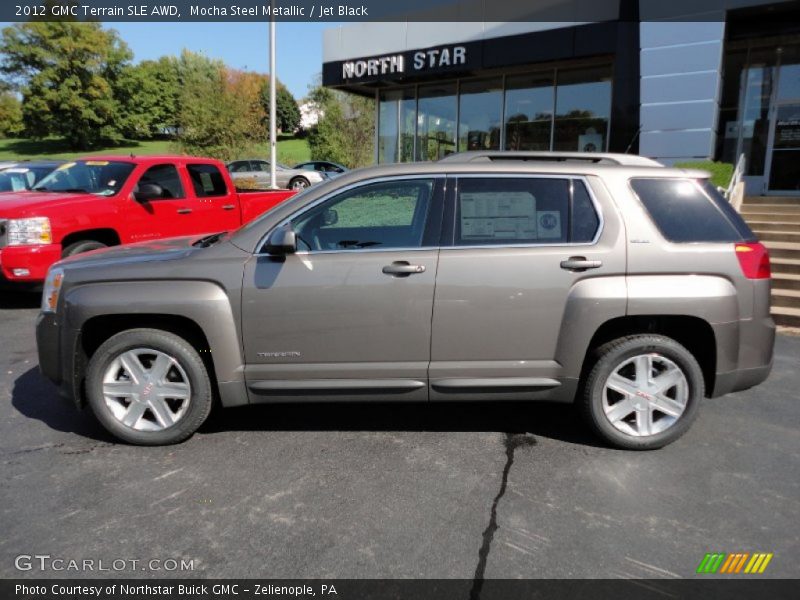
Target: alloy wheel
point(645, 395)
point(146, 389)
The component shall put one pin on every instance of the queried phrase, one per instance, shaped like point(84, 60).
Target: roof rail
point(628, 160)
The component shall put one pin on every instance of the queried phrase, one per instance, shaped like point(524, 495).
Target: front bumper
point(59, 359)
point(33, 260)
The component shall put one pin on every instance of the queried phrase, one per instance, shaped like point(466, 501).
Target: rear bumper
point(744, 379)
point(751, 361)
point(30, 262)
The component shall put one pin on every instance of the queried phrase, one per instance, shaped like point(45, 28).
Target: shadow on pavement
point(17, 299)
point(556, 421)
point(34, 397)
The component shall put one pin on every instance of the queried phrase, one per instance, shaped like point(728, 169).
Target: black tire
point(612, 354)
point(82, 246)
point(201, 397)
point(299, 183)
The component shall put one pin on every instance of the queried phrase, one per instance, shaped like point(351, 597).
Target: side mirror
point(148, 191)
point(282, 241)
point(330, 217)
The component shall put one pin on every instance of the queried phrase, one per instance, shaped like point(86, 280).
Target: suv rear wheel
point(148, 387)
point(643, 392)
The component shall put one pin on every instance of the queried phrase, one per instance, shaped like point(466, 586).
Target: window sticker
point(97, 163)
point(548, 224)
point(498, 215)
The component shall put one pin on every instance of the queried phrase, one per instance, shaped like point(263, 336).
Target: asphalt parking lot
point(396, 491)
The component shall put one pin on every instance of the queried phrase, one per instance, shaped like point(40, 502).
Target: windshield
point(101, 177)
point(20, 179)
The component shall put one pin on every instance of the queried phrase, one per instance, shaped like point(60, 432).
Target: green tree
point(220, 111)
point(150, 93)
point(345, 132)
point(287, 114)
point(10, 115)
point(68, 74)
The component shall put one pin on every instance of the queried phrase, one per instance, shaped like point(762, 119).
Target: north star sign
point(421, 60)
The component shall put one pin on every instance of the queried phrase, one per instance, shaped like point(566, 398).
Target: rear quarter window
point(686, 210)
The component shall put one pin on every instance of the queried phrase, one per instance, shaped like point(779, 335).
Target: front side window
point(379, 215)
point(206, 181)
point(166, 177)
point(504, 210)
point(100, 177)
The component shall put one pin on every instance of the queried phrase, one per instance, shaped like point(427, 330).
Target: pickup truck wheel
point(643, 392)
point(299, 183)
point(148, 387)
point(82, 246)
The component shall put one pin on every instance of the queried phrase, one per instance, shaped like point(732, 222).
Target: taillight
point(754, 260)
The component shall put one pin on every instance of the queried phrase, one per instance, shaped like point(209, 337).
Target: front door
point(349, 314)
point(784, 149)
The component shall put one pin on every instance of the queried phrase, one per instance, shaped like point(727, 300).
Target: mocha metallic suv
point(631, 289)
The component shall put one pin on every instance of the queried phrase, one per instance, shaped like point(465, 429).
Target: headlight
point(52, 289)
point(23, 232)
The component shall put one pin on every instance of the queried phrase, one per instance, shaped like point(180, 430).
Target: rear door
point(517, 247)
point(214, 204)
point(350, 313)
point(168, 216)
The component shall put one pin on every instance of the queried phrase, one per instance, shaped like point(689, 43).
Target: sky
point(240, 45)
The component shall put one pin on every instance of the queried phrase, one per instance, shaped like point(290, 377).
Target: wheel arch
point(200, 312)
point(693, 333)
point(107, 236)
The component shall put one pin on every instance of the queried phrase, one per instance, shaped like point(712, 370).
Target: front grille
point(3, 233)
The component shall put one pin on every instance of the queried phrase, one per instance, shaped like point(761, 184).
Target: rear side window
point(685, 210)
point(206, 180)
point(527, 210)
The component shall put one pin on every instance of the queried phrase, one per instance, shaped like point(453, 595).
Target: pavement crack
point(512, 442)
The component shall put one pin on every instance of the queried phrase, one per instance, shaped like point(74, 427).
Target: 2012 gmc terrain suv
point(607, 280)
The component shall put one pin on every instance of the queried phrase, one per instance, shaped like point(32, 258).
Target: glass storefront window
point(583, 109)
point(436, 121)
point(758, 81)
point(480, 112)
point(529, 112)
point(396, 126)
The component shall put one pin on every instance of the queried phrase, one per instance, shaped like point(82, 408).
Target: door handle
point(579, 263)
point(184, 211)
point(402, 269)
point(228, 207)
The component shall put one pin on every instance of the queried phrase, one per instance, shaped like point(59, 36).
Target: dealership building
point(706, 85)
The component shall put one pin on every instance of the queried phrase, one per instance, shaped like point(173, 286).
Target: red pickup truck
point(109, 200)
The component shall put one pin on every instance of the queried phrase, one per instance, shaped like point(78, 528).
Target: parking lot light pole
point(273, 154)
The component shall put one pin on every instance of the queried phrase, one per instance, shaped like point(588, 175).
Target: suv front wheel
point(148, 387)
point(643, 392)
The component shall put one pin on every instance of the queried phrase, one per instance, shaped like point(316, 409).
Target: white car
point(254, 174)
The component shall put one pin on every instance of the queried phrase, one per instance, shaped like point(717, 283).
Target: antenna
point(633, 139)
